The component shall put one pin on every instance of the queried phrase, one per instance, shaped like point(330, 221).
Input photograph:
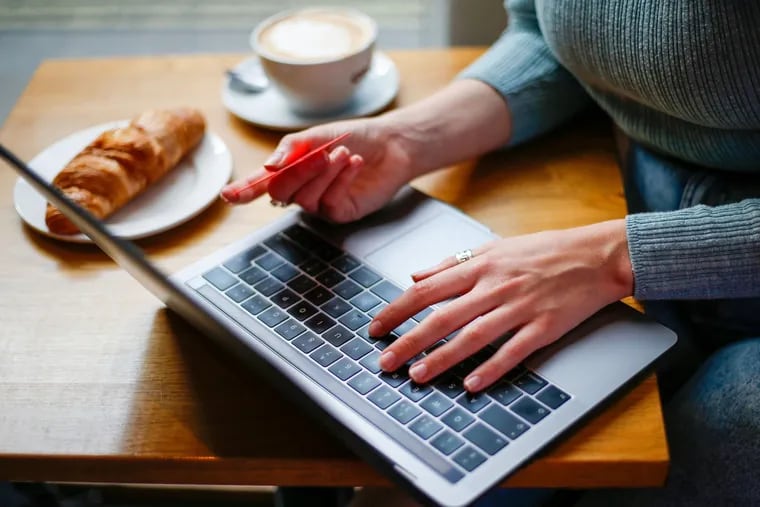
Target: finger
point(310, 193)
point(527, 340)
point(244, 190)
point(285, 184)
point(470, 340)
point(439, 324)
point(448, 262)
point(419, 296)
point(336, 203)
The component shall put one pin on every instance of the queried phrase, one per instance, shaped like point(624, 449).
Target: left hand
point(539, 286)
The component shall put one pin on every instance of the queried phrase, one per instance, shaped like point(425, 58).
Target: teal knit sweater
point(679, 76)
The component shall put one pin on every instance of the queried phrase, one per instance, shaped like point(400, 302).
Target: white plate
point(269, 109)
point(180, 195)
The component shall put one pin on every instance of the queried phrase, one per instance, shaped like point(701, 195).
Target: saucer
point(269, 109)
point(177, 197)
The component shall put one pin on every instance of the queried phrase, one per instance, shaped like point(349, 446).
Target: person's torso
point(661, 67)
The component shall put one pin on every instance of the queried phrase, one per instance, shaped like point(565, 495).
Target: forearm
point(465, 119)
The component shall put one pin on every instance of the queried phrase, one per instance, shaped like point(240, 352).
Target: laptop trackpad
point(427, 245)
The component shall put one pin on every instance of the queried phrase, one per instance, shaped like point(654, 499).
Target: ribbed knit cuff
point(696, 253)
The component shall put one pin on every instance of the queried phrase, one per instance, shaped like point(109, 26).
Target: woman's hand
point(351, 181)
point(538, 286)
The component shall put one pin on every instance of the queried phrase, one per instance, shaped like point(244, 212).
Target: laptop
point(293, 300)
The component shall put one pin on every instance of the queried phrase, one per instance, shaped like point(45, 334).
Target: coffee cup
point(316, 57)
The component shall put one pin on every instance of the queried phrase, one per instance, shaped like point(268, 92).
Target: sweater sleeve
point(540, 93)
point(701, 252)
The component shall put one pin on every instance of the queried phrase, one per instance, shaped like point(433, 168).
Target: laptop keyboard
point(321, 300)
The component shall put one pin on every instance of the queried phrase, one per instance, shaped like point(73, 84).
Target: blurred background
point(32, 30)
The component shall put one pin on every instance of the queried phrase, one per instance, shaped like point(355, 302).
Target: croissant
point(123, 162)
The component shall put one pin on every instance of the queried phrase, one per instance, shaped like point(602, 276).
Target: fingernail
point(418, 372)
point(229, 196)
point(472, 383)
point(375, 328)
point(387, 360)
point(274, 160)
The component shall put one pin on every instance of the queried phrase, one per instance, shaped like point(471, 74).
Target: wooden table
point(98, 382)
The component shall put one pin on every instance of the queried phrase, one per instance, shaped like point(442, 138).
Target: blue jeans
point(711, 381)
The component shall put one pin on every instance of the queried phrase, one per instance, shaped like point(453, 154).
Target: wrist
point(410, 136)
point(617, 258)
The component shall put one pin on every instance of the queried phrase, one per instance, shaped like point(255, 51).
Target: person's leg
point(713, 426)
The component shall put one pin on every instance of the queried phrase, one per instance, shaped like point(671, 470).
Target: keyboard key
point(404, 327)
point(404, 411)
point(344, 369)
point(436, 404)
point(302, 284)
point(364, 383)
point(384, 397)
point(313, 243)
point(354, 319)
point(239, 292)
point(457, 419)
point(336, 307)
point(253, 275)
point(450, 386)
point(553, 397)
point(302, 310)
point(256, 304)
point(273, 316)
point(325, 355)
point(529, 410)
point(289, 329)
point(347, 289)
point(268, 286)
point(285, 298)
point(414, 391)
point(220, 279)
point(447, 442)
point(338, 335)
point(285, 272)
point(287, 249)
point(307, 342)
point(243, 260)
point(473, 402)
point(370, 362)
point(395, 378)
point(426, 427)
point(484, 438)
point(373, 312)
point(530, 383)
point(506, 423)
point(330, 278)
point(387, 291)
point(365, 276)
point(420, 316)
point(356, 348)
point(505, 393)
point(346, 263)
point(318, 295)
point(313, 266)
point(269, 261)
point(469, 459)
point(365, 301)
point(319, 323)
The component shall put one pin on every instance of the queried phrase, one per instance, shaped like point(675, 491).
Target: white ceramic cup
point(316, 57)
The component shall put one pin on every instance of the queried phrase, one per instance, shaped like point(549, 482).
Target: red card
point(298, 156)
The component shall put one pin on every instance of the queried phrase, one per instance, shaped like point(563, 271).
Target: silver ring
point(464, 255)
point(278, 204)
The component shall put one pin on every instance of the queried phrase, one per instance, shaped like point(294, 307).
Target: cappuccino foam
point(314, 36)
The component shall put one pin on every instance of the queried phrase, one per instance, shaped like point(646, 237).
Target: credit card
point(300, 158)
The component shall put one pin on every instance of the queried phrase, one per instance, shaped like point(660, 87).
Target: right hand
point(353, 180)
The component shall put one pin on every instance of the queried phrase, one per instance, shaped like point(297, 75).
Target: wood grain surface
point(98, 382)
